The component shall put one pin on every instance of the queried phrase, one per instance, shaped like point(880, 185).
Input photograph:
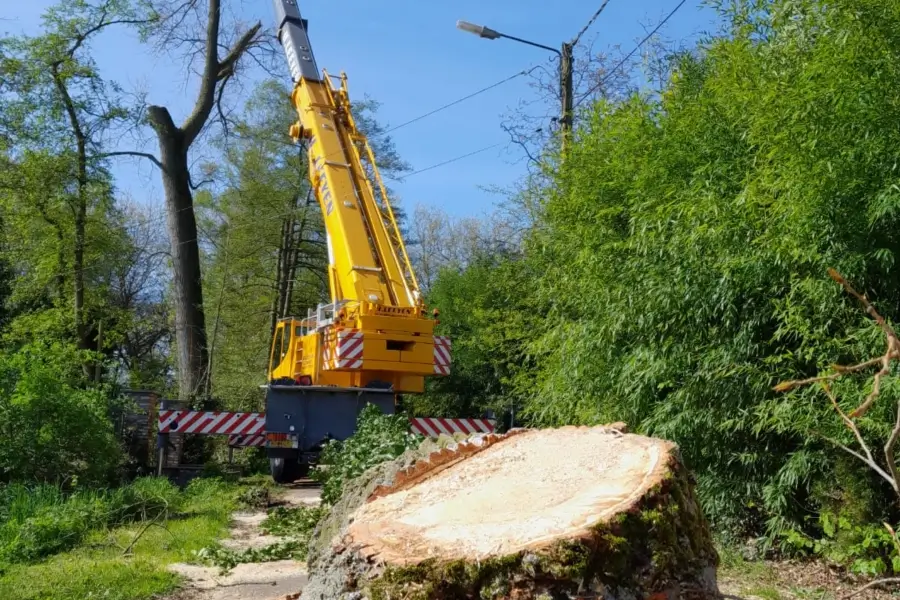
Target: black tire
point(287, 470)
point(276, 468)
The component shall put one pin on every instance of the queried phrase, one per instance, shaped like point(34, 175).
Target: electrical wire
point(590, 22)
point(453, 160)
point(389, 130)
point(463, 99)
point(636, 48)
point(288, 142)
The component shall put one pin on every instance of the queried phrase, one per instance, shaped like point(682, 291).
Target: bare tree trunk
point(80, 214)
point(190, 322)
point(174, 144)
point(217, 319)
point(284, 276)
point(296, 244)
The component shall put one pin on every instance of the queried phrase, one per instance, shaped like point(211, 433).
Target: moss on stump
point(573, 512)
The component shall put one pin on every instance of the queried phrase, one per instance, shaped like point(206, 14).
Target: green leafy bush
point(678, 263)
point(379, 437)
point(148, 498)
point(53, 428)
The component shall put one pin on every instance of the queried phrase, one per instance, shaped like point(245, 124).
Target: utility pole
point(566, 66)
point(566, 93)
point(565, 69)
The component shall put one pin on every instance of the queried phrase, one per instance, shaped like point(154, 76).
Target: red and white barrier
point(433, 427)
point(248, 429)
point(211, 423)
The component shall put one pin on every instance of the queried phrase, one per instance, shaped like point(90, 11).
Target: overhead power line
point(590, 22)
point(636, 48)
point(452, 160)
point(288, 142)
point(158, 221)
point(463, 99)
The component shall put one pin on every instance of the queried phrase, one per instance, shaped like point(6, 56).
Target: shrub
point(379, 437)
point(54, 429)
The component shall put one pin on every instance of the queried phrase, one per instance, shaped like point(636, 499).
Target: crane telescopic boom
point(375, 332)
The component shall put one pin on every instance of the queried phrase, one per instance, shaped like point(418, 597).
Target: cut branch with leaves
point(889, 471)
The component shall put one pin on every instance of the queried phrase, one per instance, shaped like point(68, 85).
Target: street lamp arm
point(491, 34)
point(536, 45)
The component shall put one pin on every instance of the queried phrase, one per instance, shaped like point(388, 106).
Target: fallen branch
point(892, 475)
point(871, 584)
point(140, 534)
point(892, 353)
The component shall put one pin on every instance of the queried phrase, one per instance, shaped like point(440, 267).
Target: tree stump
point(573, 512)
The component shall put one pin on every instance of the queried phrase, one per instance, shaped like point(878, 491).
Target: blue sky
point(409, 56)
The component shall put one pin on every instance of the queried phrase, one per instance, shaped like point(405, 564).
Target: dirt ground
point(789, 580)
point(253, 581)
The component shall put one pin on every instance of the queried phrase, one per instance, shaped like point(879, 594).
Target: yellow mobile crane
point(374, 340)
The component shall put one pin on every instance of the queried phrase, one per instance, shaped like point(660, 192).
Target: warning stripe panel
point(243, 429)
point(433, 427)
point(442, 358)
point(343, 350)
point(247, 440)
point(210, 422)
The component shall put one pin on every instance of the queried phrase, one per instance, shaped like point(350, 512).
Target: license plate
point(282, 440)
point(282, 443)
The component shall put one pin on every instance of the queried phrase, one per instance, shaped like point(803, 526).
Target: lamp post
point(565, 67)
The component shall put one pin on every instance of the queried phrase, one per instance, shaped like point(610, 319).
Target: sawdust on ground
point(252, 581)
point(523, 491)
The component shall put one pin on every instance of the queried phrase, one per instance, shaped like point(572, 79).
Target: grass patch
point(99, 566)
point(41, 521)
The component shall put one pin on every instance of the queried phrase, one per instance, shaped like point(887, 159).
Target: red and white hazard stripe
point(210, 423)
point(347, 352)
point(442, 355)
point(257, 440)
point(248, 429)
point(433, 427)
point(349, 349)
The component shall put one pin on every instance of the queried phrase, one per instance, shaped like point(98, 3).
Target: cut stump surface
point(532, 513)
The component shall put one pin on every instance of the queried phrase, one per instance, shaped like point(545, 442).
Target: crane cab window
point(279, 346)
point(286, 342)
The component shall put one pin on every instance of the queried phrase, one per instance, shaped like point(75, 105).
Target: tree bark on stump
point(573, 512)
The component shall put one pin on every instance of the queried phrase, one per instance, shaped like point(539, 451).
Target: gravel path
point(278, 580)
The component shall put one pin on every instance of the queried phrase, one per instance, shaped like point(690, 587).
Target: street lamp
point(565, 66)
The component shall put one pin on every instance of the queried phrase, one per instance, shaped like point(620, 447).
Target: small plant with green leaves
point(295, 524)
point(292, 521)
point(378, 438)
point(227, 559)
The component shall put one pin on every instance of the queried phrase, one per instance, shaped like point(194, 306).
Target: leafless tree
point(439, 240)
